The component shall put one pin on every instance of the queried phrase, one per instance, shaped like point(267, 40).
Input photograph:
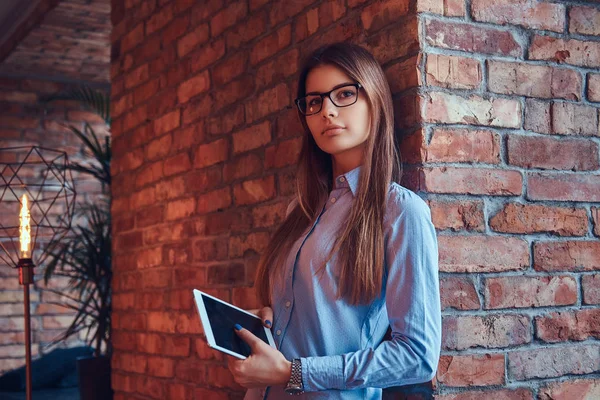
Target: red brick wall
point(509, 153)
point(25, 122)
point(205, 137)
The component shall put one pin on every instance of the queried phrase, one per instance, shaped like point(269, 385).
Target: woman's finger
point(266, 314)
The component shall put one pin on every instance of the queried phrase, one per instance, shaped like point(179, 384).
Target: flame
point(25, 229)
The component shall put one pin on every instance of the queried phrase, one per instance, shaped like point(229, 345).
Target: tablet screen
point(222, 321)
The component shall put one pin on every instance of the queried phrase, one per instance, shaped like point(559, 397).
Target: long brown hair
point(361, 244)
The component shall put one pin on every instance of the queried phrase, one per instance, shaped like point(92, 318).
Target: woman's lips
point(333, 131)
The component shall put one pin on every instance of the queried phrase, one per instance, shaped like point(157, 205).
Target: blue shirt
point(341, 345)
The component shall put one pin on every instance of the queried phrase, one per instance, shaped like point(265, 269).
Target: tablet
point(218, 320)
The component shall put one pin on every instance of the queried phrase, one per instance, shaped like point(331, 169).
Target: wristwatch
point(294, 385)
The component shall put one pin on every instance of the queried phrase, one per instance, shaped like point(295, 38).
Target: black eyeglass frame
point(357, 85)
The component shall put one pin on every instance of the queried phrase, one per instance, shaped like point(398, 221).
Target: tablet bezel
point(208, 332)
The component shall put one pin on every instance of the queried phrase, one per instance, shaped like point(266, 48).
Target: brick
point(234, 91)
point(201, 181)
point(155, 279)
point(190, 41)
point(574, 119)
point(458, 293)
point(134, 117)
point(177, 164)
point(549, 153)
point(148, 258)
point(553, 362)
point(475, 110)
point(278, 69)
point(529, 291)
point(271, 44)
point(449, 8)
point(158, 148)
point(210, 249)
point(149, 216)
point(142, 198)
point(590, 285)
point(566, 256)
point(228, 17)
point(530, 14)
point(188, 136)
point(242, 166)
point(306, 24)
point(532, 218)
point(150, 387)
point(257, 242)
point(567, 187)
point(220, 126)
point(584, 20)
point(254, 191)
point(180, 209)
point(283, 153)
point(593, 91)
point(206, 55)
point(213, 201)
point(167, 122)
point(452, 71)
point(230, 274)
point(386, 45)
point(137, 76)
point(574, 389)
point(471, 38)
point(159, 19)
point(269, 215)
point(230, 68)
point(197, 108)
point(170, 188)
point(569, 51)
point(282, 10)
point(129, 240)
point(331, 11)
point(534, 80)
point(268, 102)
point(161, 367)
point(563, 326)
point(245, 297)
point(403, 75)
point(252, 137)
point(471, 181)
point(211, 153)
point(471, 370)
point(175, 29)
point(502, 394)
point(463, 145)
point(457, 215)
point(192, 87)
point(244, 31)
point(377, 15)
point(490, 331)
point(480, 253)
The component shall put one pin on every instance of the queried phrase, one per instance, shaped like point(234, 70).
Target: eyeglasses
point(343, 96)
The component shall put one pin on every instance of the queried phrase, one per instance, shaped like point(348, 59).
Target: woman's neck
point(345, 162)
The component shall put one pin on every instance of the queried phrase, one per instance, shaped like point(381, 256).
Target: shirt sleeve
point(413, 309)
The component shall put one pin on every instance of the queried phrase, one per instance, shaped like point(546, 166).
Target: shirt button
point(333, 199)
point(342, 179)
point(278, 332)
point(288, 304)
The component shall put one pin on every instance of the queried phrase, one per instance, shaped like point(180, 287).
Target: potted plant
point(84, 255)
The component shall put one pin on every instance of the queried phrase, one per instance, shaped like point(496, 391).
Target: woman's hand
point(265, 314)
point(265, 366)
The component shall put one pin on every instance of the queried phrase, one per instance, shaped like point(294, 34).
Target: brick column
point(508, 157)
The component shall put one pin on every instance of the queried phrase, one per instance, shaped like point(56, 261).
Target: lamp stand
point(26, 266)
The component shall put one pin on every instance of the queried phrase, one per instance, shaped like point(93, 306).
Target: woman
point(356, 254)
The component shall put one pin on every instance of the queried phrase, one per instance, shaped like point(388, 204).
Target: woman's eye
point(314, 102)
point(346, 94)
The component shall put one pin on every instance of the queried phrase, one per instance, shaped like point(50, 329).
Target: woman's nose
point(328, 108)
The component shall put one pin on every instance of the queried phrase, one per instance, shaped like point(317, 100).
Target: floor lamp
point(37, 200)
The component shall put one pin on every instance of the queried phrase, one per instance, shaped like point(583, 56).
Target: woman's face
point(353, 120)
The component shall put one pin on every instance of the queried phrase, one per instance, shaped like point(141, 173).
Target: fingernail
point(238, 327)
point(268, 323)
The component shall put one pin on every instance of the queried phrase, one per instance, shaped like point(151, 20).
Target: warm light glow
point(25, 229)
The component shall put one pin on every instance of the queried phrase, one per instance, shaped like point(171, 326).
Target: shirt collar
point(349, 179)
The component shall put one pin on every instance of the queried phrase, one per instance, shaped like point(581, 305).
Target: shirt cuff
point(323, 373)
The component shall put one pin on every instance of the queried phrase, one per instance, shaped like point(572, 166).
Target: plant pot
point(94, 378)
